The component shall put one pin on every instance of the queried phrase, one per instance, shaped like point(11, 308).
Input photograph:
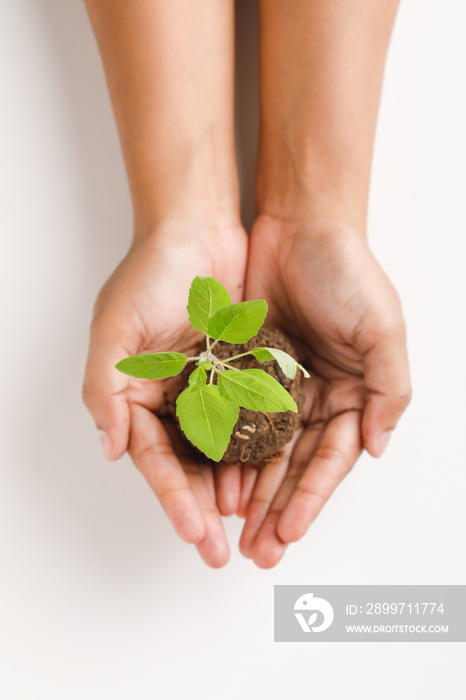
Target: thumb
point(104, 388)
point(386, 375)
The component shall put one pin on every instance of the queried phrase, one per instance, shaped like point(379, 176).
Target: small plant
point(208, 412)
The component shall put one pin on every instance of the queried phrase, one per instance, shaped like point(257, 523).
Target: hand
point(330, 296)
point(142, 309)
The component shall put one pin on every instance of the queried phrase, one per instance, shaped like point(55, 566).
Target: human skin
point(321, 75)
point(169, 68)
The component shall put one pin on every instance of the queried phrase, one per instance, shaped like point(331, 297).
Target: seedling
point(208, 412)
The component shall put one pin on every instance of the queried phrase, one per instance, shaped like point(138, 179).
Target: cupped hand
point(142, 309)
point(327, 292)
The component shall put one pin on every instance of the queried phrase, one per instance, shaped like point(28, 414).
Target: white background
point(99, 599)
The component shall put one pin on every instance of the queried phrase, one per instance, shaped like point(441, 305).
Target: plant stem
point(191, 359)
point(208, 345)
point(212, 346)
point(225, 364)
point(243, 354)
point(211, 378)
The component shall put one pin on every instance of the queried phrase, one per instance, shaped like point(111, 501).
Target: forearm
point(322, 67)
point(169, 68)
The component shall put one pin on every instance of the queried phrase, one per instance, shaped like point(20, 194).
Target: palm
point(323, 287)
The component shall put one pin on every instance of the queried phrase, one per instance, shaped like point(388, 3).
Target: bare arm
point(322, 67)
point(169, 68)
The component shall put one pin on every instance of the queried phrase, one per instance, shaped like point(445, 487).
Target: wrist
point(296, 180)
point(187, 179)
point(188, 232)
point(286, 235)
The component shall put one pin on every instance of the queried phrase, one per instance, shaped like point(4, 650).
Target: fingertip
point(227, 507)
point(383, 441)
point(225, 503)
point(217, 557)
point(376, 445)
point(113, 448)
point(389, 392)
point(214, 548)
point(106, 443)
point(371, 442)
point(287, 531)
point(112, 419)
point(245, 547)
point(190, 531)
point(266, 555)
point(381, 415)
point(380, 418)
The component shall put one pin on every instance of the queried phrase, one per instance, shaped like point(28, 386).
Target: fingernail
point(384, 440)
point(106, 443)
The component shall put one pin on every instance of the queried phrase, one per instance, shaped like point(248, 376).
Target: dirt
point(258, 437)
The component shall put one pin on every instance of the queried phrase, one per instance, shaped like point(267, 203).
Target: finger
point(249, 474)
point(268, 547)
point(207, 473)
point(213, 548)
point(189, 458)
point(267, 484)
point(104, 389)
point(228, 487)
point(387, 379)
point(334, 456)
point(151, 450)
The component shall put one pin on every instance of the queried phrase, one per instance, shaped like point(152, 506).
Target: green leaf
point(288, 364)
point(238, 323)
point(304, 371)
point(206, 297)
point(157, 365)
point(256, 390)
point(198, 378)
point(206, 364)
point(207, 419)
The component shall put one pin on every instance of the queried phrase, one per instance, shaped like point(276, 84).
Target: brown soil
point(258, 437)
